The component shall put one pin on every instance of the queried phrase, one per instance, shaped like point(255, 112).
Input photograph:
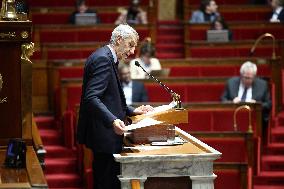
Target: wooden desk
point(30, 177)
point(193, 159)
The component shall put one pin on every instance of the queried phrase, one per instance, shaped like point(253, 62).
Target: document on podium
point(143, 123)
point(150, 121)
point(162, 108)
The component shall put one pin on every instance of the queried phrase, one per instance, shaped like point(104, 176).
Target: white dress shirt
point(241, 91)
point(127, 89)
point(113, 53)
point(275, 15)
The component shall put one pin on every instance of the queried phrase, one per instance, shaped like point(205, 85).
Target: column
point(203, 182)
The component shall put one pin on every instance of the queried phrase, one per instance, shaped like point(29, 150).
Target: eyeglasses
point(247, 78)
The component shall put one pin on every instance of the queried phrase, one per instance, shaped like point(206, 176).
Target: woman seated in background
point(82, 8)
point(220, 24)
point(133, 15)
point(146, 59)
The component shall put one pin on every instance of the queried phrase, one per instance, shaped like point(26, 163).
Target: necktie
point(244, 96)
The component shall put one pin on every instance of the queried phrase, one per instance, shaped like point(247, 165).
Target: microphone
point(259, 39)
point(175, 96)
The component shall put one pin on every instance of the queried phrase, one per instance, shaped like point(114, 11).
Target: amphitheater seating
point(231, 49)
point(70, 33)
point(236, 13)
point(240, 30)
point(64, 3)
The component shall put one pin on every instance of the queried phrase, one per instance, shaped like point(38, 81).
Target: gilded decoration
point(27, 51)
point(1, 85)
point(24, 34)
point(8, 35)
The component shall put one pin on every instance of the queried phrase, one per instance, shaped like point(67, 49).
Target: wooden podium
point(16, 103)
point(192, 160)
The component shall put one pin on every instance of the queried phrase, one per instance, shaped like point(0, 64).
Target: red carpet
point(271, 175)
point(170, 40)
point(61, 163)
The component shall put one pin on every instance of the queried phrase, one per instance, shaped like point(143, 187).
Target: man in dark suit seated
point(103, 108)
point(278, 11)
point(248, 88)
point(134, 91)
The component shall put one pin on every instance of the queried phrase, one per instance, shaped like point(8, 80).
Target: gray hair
point(124, 31)
point(248, 66)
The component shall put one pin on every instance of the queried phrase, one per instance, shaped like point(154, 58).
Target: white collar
point(113, 53)
point(278, 10)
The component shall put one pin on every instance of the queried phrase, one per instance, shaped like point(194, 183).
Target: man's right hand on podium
point(119, 127)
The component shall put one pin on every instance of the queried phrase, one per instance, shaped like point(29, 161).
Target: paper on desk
point(162, 108)
point(143, 123)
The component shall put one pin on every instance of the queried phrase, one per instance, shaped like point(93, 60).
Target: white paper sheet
point(162, 108)
point(143, 123)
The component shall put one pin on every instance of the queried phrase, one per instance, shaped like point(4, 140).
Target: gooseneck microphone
point(175, 96)
point(259, 39)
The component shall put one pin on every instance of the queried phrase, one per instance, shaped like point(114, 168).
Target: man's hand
point(118, 126)
point(143, 109)
point(236, 100)
point(252, 101)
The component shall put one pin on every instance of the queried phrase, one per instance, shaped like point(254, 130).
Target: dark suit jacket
point(102, 102)
point(139, 93)
point(260, 93)
point(280, 16)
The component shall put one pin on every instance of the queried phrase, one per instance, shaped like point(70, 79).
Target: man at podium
point(103, 108)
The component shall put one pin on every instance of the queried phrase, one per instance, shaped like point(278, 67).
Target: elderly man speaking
point(103, 108)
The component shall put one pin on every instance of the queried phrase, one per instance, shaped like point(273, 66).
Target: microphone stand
point(175, 96)
point(259, 39)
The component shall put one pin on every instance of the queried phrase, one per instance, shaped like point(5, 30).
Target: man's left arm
point(266, 103)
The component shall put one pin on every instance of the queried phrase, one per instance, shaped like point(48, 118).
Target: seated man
point(134, 91)
point(278, 11)
point(206, 13)
point(249, 88)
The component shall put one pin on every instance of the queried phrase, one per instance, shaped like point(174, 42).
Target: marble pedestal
point(197, 166)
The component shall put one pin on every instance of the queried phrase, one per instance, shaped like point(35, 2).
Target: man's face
point(125, 47)
point(212, 7)
point(124, 75)
point(274, 4)
point(218, 25)
point(247, 78)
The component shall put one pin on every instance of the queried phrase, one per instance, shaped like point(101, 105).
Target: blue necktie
point(244, 96)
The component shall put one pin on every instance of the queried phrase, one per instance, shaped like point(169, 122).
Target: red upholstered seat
point(158, 94)
point(199, 52)
point(217, 120)
point(70, 72)
point(65, 3)
point(198, 121)
point(81, 35)
point(214, 71)
point(63, 18)
point(73, 96)
point(76, 53)
point(232, 149)
point(228, 179)
point(196, 33)
point(188, 92)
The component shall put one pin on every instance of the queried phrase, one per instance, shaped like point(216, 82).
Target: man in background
point(278, 11)
point(207, 12)
point(249, 88)
point(134, 91)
